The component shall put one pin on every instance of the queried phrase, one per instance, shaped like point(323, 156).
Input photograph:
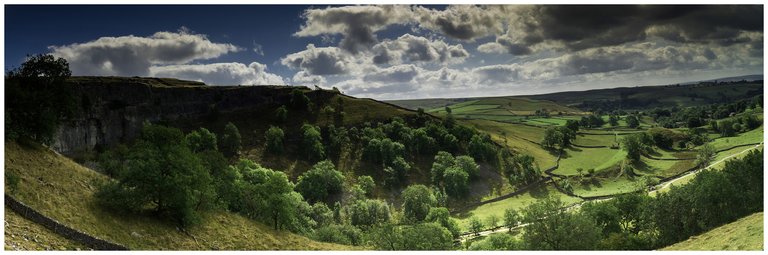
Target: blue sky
point(390, 52)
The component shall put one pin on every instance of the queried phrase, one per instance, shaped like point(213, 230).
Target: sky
point(398, 51)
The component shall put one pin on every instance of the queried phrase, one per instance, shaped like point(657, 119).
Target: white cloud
point(134, 55)
point(417, 49)
point(220, 73)
point(319, 61)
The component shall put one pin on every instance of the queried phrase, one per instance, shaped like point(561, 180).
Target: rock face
point(114, 112)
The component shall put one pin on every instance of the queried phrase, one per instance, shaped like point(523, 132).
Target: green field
point(503, 105)
point(752, 136)
point(606, 186)
point(518, 202)
point(589, 158)
point(745, 234)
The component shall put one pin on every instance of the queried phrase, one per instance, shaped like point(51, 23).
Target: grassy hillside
point(745, 234)
point(22, 234)
point(63, 190)
point(629, 97)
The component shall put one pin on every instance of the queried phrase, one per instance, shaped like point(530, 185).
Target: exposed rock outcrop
point(114, 109)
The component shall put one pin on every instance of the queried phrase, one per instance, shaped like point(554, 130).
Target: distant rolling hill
point(645, 97)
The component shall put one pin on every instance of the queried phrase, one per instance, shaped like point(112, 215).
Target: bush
point(320, 182)
point(341, 234)
point(201, 140)
point(12, 181)
point(274, 138)
point(230, 141)
point(368, 212)
point(366, 183)
point(417, 200)
point(312, 142)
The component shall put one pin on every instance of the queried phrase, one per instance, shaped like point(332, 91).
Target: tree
point(632, 121)
point(496, 242)
point(201, 140)
point(322, 214)
point(300, 101)
point(274, 138)
point(442, 216)
point(520, 170)
point(368, 212)
point(633, 145)
point(554, 229)
point(706, 155)
point(468, 165)
point(552, 138)
point(417, 200)
point(511, 218)
point(268, 196)
point(493, 221)
point(481, 148)
point(320, 182)
point(163, 175)
point(281, 113)
point(565, 184)
point(572, 125)
point(38, 99)
point(341, 234)
point(396, 172)
point(366, 183)
point(456, 182)
point(230, 141)
point(443, 160)
point(726, 128)
point(475, 225)
point(613, 120)
point(312, 142)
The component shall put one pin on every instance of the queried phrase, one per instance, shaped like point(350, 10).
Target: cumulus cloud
point(306, 79)
point(356, 24)
point(134, 55)
point(220, 73)
point(319, 61)
point(417, 49)
point(394, 74)
point(464, 22)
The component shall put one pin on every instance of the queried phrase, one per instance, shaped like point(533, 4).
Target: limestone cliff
point(114, 109)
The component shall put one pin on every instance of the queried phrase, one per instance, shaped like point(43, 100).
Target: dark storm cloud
point(582, 27)
point(356, 24)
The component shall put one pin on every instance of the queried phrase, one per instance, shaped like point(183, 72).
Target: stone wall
point(58, 228)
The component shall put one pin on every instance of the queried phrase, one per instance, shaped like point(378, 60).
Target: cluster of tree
point(422, 224)
point(558, 137)
point(592, 121)
point(177, 176)
point(38, 99)
point(520, 170)
point(733, 126)
point(453, 173)
point(637, 221)
point(697, 116)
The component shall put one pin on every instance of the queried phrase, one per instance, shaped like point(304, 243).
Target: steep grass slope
point(22, 234)
point(745, 234)
point(63, 190)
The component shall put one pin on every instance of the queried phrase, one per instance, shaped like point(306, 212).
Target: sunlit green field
point(518, 203)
